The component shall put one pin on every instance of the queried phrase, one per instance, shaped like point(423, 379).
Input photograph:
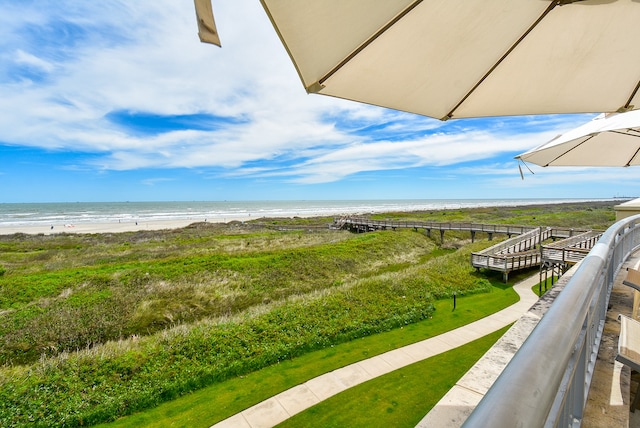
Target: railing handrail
point(582, 237)
point(546, 384)
point(512, 242)
point(481, 227)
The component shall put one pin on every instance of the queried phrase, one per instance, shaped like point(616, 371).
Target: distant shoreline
point(130, 225)
point(111, 227)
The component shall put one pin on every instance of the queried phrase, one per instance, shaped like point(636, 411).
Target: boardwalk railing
point(520, 252)
point(364, 223)
point(525, 242)
point(570, 250)
point(507, 263)
point(547, 382)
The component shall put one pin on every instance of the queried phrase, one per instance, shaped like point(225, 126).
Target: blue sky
point(119, 101)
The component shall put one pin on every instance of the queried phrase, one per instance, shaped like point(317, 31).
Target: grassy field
point(398, 399)
point(93, 327)
point(592, 215)
point(234, 395)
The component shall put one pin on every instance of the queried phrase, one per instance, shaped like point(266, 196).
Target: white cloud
point(101, 57)
point(153, 181)
point(22, 57)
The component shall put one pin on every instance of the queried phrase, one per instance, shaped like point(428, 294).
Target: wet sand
point(130, 226)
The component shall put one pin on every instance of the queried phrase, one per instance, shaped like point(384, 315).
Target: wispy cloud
point(154, 181)
point(128, 86)
point(29, 60)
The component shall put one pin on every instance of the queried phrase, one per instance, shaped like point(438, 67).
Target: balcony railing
point(547, 382)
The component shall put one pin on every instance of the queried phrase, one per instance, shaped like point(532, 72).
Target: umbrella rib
point(627, 105)
point(506, 54)
point(569, 150)
point(633, 157)
point(367, 42)
point(631, 132)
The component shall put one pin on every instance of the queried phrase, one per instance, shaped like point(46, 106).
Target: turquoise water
point(38, 214)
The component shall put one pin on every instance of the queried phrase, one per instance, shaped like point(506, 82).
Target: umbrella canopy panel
point(466, 58)
point(607, 140)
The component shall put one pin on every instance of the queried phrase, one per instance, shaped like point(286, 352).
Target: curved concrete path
point(292, 401)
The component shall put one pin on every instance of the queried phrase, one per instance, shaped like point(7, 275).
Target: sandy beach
point(129, 226)
point(32, 220)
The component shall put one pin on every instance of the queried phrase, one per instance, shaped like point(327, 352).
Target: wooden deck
point(525, 248)
point(571, 250)
point(519, 252)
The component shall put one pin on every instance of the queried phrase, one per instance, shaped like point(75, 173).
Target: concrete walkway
point(292, 401)
point(457, 404)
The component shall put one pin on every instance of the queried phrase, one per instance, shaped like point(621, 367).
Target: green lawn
point(192, 325)
point(217, 402)
point(542, 287)
point(400, 398)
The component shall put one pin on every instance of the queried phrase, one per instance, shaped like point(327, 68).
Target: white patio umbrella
point(466, 58)
point(607, 140)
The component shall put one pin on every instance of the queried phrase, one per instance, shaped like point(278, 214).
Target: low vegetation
point(589, 215)
point(400, 398)
point(195, 410)
point(93, 327)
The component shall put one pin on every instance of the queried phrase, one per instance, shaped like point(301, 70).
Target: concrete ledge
point(456, 406)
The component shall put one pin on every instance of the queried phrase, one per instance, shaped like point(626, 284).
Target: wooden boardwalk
point(571, 250)
point(364, 224)
point(526, 246)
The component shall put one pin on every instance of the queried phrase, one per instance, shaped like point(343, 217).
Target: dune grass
point(121, 335)
point(217, 402)
point(95, 327)
point(590, 215)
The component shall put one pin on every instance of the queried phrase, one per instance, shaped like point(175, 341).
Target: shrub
point(199, 309)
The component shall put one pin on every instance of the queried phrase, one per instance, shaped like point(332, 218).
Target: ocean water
point(44, 214)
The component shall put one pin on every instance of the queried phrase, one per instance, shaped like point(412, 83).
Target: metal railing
point(547, 382)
